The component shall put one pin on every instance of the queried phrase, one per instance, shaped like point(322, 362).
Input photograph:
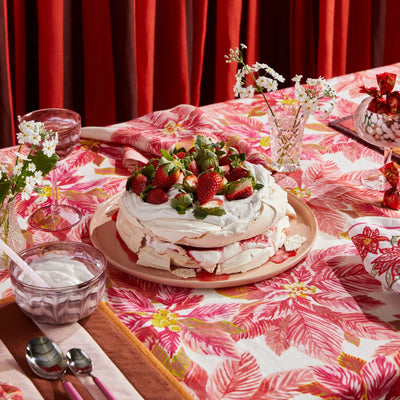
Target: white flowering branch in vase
point(35, 158)
point(287, 116)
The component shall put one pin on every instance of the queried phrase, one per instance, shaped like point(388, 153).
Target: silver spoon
point(48, 361)
point(81, 364)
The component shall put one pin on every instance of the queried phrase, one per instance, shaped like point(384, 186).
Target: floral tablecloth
point(323, 329)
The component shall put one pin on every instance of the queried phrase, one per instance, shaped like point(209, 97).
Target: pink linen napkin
point(378, 243)
point(144, 137)
point(165, 129)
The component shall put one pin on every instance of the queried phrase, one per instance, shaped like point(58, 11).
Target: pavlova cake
point(204, 208)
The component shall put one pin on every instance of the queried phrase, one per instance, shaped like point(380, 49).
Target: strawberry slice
point(156, 196)
point(208, 185)
point(223, 169)
point(192, 181)
point(193, 168)
point(240, 190)
point(213, 203)
point(236, 173)
point(213, 207)
point(139, 183)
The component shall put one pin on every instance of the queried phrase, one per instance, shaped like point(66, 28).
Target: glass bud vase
point(286, 126)
point(10, 231)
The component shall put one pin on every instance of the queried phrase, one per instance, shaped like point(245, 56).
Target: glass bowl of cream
point(76, 274)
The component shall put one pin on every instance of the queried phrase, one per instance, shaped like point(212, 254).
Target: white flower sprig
point(317, 94)
point(31, 166)
point(261, 82)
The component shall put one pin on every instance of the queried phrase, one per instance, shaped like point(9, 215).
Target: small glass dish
point(65, 304)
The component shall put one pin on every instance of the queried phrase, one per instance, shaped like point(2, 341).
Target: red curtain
point(116, 60)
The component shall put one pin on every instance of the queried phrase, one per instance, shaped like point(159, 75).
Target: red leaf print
point(148, 335)
point(196, 379)
point(180, 298)
point(344, 383)
point(235, 380)
point(204, 339)
point(129, 301)
point(394, 392)
point(170, 341)
point(366, 326)
point(7, 293)
point(133, 321)
point(308, 331)
point(329, 220)
point(279, 385)
point(390, 349)
point(379, 375)
point(4, 274)
point(276, 338)
point(8, 392)
point(212, 312)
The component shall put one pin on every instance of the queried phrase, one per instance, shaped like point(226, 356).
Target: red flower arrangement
point(385, 100)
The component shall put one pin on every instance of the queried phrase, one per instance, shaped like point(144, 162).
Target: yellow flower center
point(289, 101)
point(299, 289)
point(164, 318)
point(171, 128)
point(265, 141)
point(367, 241)
point(301, 193)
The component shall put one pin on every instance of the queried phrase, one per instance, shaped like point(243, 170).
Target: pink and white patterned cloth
point(378, 243)
point(144, 137)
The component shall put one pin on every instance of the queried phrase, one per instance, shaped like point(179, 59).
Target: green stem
point(258, 87)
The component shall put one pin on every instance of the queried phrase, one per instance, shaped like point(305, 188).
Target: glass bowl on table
point(67, 123)
point(381, 130)
point(76, 273)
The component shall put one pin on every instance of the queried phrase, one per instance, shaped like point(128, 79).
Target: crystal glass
point(286, 136)
point(10, 231)
point(381, 130)
point(66, 304)
point(67, 124)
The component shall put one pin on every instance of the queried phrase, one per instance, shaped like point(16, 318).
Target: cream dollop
point(58, 270)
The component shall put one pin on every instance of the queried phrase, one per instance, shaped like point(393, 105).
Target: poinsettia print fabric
point(328, 328)
point(378, 243)
point(8, 392)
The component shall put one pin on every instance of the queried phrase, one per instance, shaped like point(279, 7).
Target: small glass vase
point(286, 125)
point(10, 231)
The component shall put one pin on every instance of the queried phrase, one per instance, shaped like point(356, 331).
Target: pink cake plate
point(104, 237)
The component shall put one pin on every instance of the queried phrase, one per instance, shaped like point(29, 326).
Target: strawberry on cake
point(203, 208)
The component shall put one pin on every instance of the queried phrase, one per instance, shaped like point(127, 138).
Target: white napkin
point(377, 242)
point(11, 375)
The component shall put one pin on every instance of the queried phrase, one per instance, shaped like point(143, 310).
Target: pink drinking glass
point(67, 123)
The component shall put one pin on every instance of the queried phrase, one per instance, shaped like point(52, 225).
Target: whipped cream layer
point(244, 218)
point(237, 257)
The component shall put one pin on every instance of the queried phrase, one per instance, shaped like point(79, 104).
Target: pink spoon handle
point(72, 392)
point(100, 384)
